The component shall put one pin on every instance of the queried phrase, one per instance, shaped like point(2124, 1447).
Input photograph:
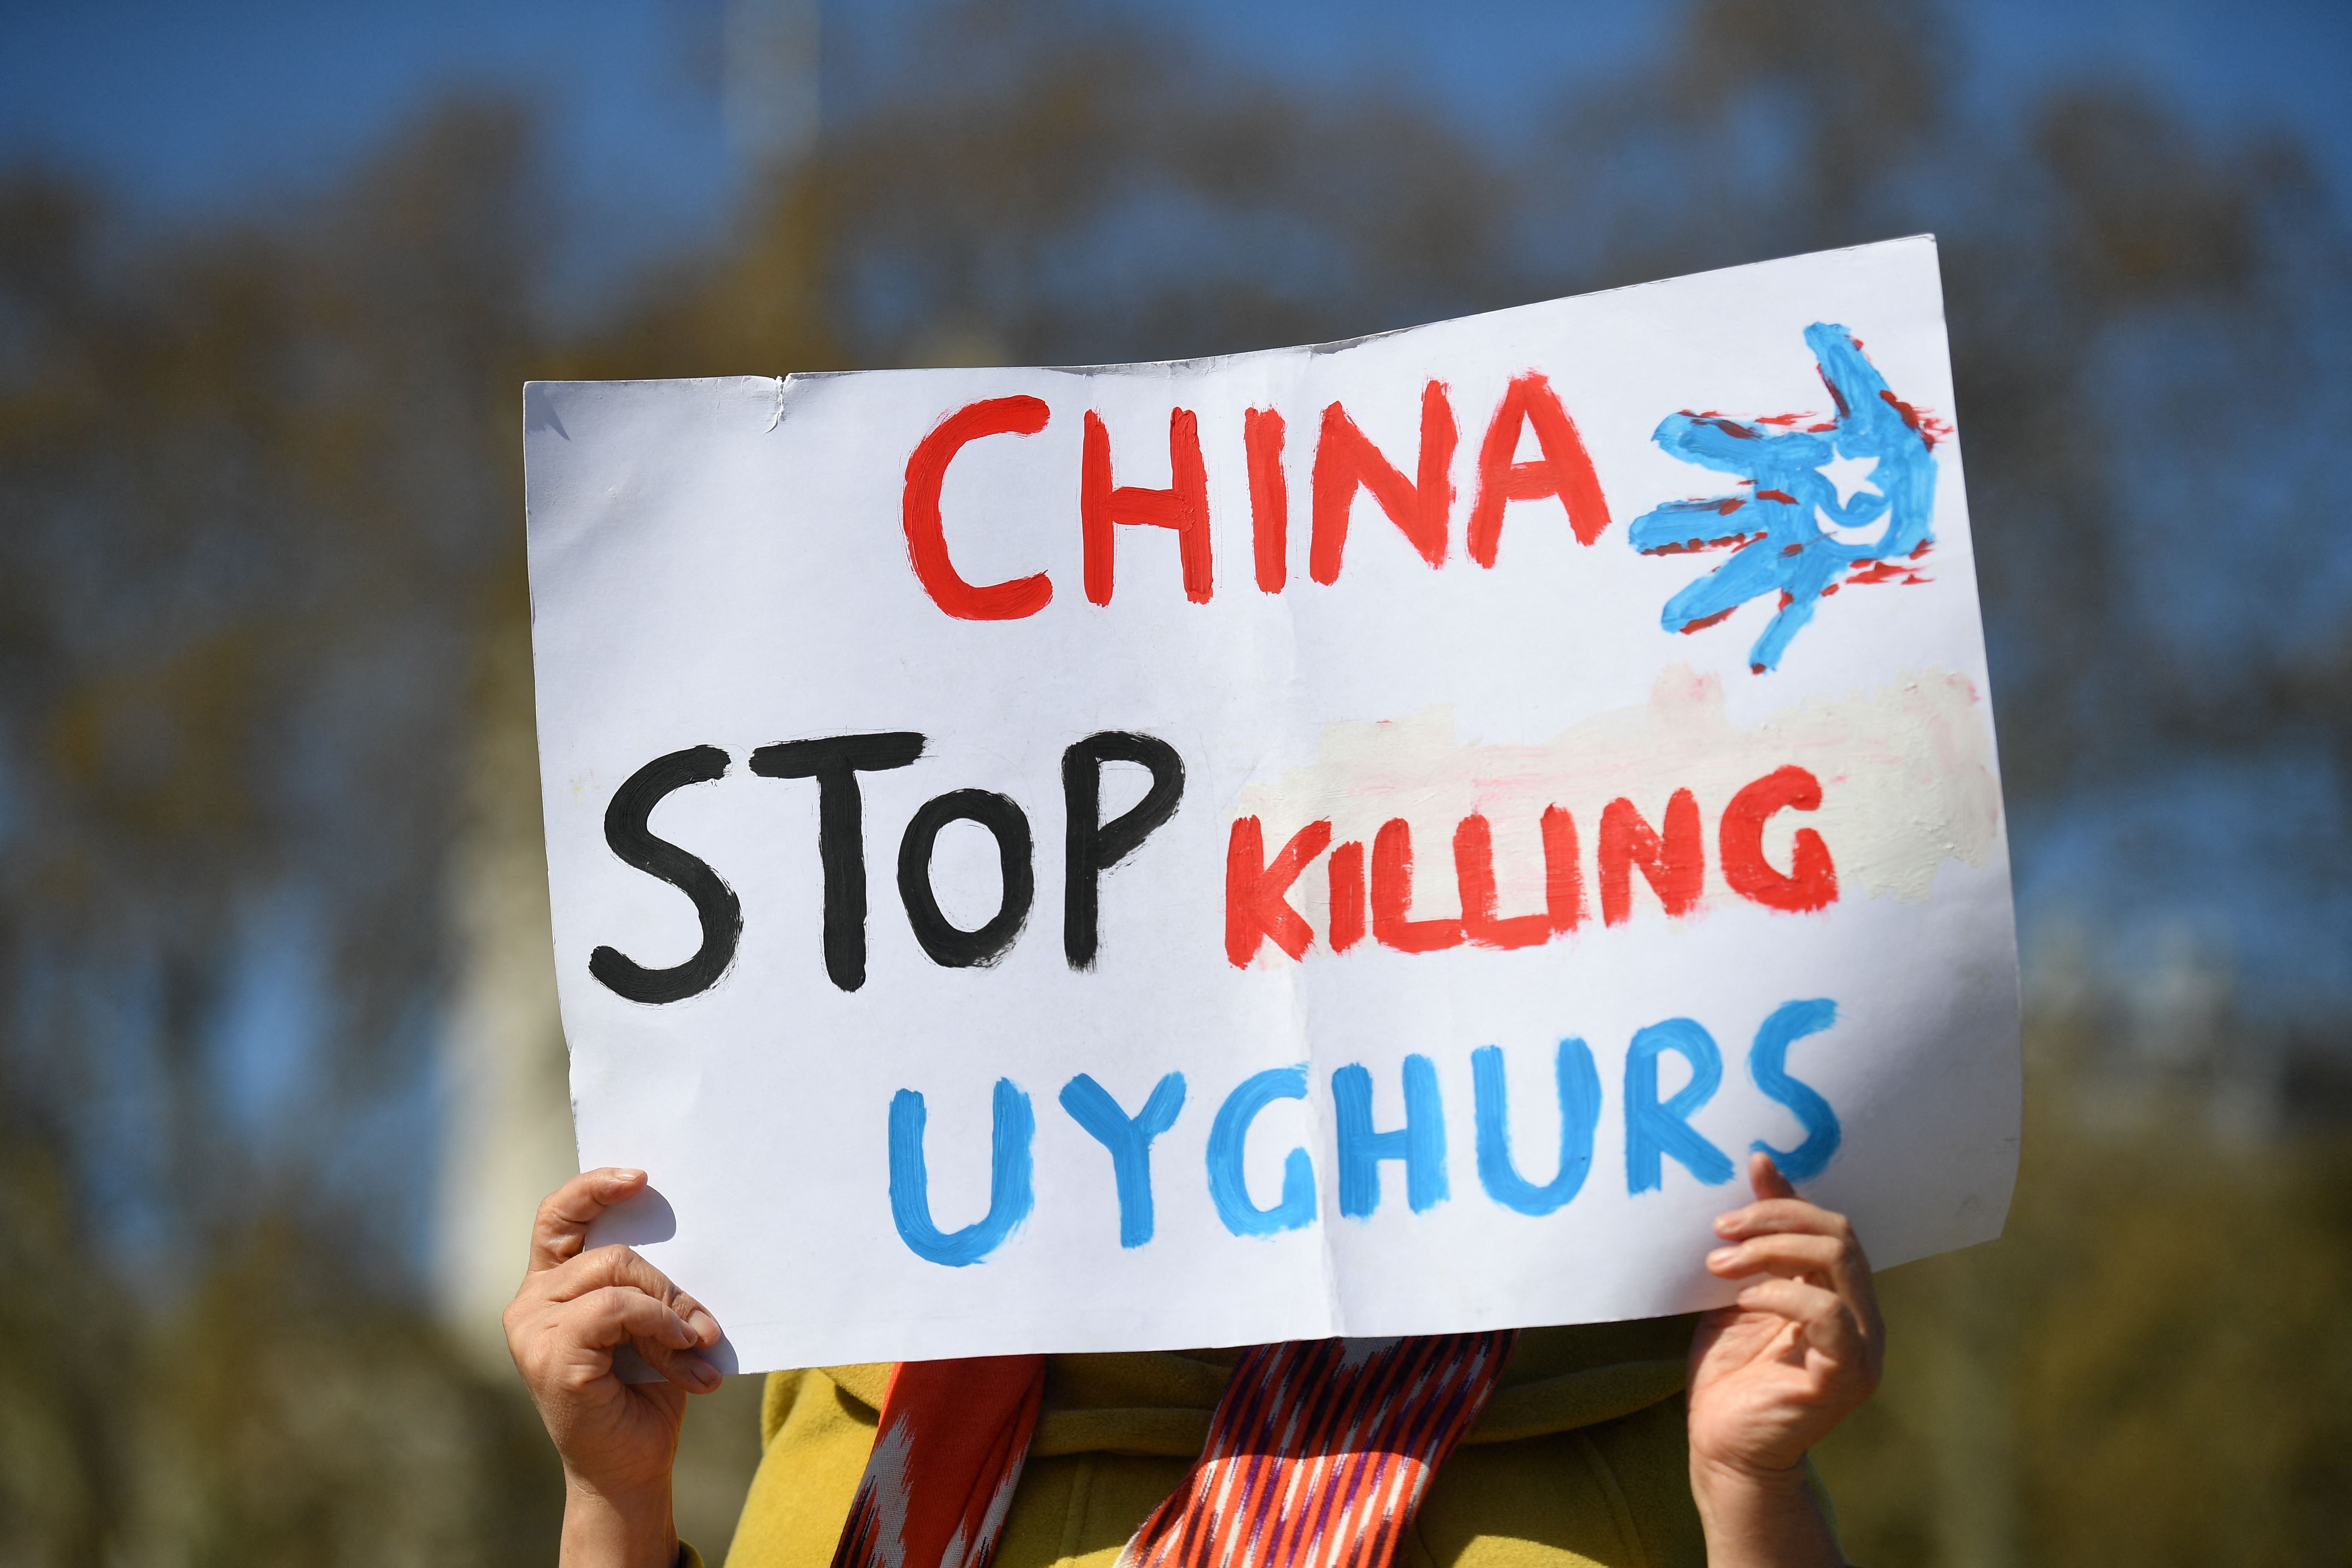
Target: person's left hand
point(1796, 1352)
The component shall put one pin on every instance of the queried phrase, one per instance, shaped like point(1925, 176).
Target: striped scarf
point(1318, 1455)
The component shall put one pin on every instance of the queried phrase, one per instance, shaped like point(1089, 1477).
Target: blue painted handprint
point(1788, 532)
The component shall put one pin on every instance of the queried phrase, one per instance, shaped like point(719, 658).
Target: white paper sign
point(1360, 839)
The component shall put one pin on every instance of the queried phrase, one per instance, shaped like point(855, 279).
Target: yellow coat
point(1579, 1458)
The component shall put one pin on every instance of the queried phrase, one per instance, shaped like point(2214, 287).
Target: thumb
point(560, 1230)
point(1765, 1178)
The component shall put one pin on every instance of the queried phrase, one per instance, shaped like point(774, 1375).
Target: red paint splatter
point(1782, 418)
point(1926, 429)
point(1688, 545)
point(1924, 546)
point(1787, 598)
point(1793, 549)
point(1868, 571)
point(1705, 621)
point(1776, 495)
point(1835, 396)
point(1829, 589)
point(1730, 504)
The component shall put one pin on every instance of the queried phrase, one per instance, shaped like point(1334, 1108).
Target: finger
point(600, 1320)
point(1827, 1320)
point(560, 1230)
point(1806, 1231)
point(1817, 1259)
point(1764, 1176)
point(682, 1367)
point(608, 1267)
point(576, 1340)
point(1775, 1215)
point(663, 1339)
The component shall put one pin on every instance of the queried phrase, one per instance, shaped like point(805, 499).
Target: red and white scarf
point(1318, 1455)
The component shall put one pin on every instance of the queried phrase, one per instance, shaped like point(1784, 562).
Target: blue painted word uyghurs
point(1790, 532)
point(1655, 1130)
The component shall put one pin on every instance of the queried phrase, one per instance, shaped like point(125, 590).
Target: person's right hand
point(616, 1439)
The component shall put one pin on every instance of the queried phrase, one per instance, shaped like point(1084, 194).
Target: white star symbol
point(1850, 474)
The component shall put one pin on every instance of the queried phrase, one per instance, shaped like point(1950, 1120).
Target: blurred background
point(280, 1078)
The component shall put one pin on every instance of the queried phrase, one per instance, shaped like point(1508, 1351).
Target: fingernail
point(1722, 1257)
point(705, 1326)
point(628, 1176)
point(705, 1374)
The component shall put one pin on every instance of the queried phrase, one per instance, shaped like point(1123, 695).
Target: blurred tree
point(2148, 1368)
point(255, 487)
point(264, 718)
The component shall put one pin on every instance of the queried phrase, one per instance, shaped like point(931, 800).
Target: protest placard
point(1361, 839)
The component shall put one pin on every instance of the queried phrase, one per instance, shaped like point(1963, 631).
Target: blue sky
point(184, 111)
